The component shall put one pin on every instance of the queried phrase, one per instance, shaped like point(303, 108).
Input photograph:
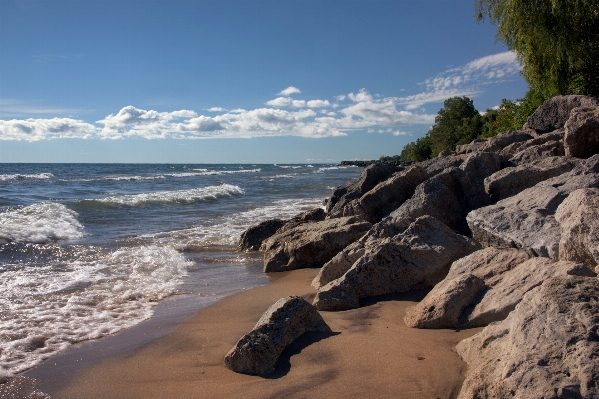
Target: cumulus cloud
point(40, 129)
point(318, 104)
point(299, 103)
point(216, 109)
point(289, 91)
point(279, 102)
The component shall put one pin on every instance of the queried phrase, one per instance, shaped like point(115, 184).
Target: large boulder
point(578, 217)
point(258, 351)
point(437, 165)
point(546, 348)
point(419, 257)
point(582, 133)
point(252, 238)
point(386, 196)
point(343, 261)
point(554, 113)
point(451, 194)
point(519, 146)
point(537, 152)
point(495, 143)
point(527, 220)
point(311, 244)
point(370, 177)
point(510, 181)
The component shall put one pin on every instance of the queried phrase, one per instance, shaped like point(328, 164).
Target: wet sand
point(371, 353)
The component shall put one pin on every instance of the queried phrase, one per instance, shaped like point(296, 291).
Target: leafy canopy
point(557, 41)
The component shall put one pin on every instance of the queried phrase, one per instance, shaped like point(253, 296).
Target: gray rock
point(444, 304)
point(385, 196)
point(252, 238)
point(582, 132)
point(435, 166)
point(476, 169)
point(546, 348)
point(498, 301)
point(370, 177)
point(554, 113)
point(537, 152)
point(495, 143)
point(311, 244)
point(514, 148)
point(258, 351)
point(510, 181)
point(417, 258)
point(527, 219)
point(475, 146)
point(578, 217)
point(445, 153)
point(344, 260)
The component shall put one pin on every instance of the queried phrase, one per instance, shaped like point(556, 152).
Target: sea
point(87, 250)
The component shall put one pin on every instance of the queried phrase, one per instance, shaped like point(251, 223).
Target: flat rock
point(527, 220)
point(519, 146)
point(546, 348)
point(582, 132)
point(512, 180)
point(537, 153)
point(437, 165)
point(495, 143)
point(417, 258)
point(386, 196)
point(578, 217)
point(554, 113)
point(258, 351)
point(252, 238)
point(311, 244)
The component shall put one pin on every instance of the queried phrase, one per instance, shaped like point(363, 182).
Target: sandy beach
point(371, 353)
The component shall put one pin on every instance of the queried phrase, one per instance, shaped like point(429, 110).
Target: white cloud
point(279, 102)
point(340, 98)
point(43, 129)
point(216, 109)
point(318, 104)
point(298, 103)
point(289, 91)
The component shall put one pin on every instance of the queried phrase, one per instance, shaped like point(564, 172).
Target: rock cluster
point(503, 231)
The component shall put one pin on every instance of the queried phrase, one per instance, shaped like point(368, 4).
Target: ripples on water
point(88, 249)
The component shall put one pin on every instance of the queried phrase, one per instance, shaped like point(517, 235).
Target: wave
point(40, 223)
point(86, 298)
point(198, 172)
point(39, 176)
point(325, 168)
point(177, 196)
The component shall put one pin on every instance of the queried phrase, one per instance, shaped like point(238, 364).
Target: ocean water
point(87, 250)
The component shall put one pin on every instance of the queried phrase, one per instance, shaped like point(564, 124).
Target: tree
point(557, 41)
point(417, 151)
point(452, 125)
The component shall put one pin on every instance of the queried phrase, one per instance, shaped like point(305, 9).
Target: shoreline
point(371, 352)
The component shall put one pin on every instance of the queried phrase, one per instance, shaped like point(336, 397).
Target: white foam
point(177, 196)
point(225, 231)
point(47, 308)
point(40, 176)
point(40, 223)
point(132, 178)
point(325, 168)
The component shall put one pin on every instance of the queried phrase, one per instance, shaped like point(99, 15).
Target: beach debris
point(258, 351)
point(416, 258)
point(547, 347)
point(311, 244)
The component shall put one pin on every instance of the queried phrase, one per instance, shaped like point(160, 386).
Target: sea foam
point(46, 308)
point(39, 176)
point(40, 223)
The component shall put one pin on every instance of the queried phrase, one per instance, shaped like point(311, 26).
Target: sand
point(371, 353)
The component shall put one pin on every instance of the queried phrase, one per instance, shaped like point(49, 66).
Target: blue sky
point(238, 81)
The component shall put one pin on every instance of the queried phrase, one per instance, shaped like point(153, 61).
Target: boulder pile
point(503, 231)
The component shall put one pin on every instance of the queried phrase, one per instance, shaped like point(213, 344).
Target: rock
point(451, 194)
point(495, 143)
point(578, 217)
point(554, 113)
point(527, 220)
point(258, 351)
point(445, 153)
point(442, 307)
point(370, 177)
point(537, 152)
point(342, 262)
point(311, 244)
point(435, 166)
point(498, 301)
point(252, 238)
point(582, 133)
point(417, 258)
point(516, 147)
point(546, 348)
point(475, 146)
point(510, 181)
point(313, 215)
point(386, 196)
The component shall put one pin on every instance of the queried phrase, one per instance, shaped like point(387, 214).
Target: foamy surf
point(177, 196)
point(40, 223)
point(38, 176)
point(47, 308)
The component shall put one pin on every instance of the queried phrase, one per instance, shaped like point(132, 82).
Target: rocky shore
point(503, 232)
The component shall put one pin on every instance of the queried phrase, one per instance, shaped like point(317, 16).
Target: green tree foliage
point(417, 151)
point(455, 123)
point(557, 41)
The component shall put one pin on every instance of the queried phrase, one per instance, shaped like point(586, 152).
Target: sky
point(223, 81)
